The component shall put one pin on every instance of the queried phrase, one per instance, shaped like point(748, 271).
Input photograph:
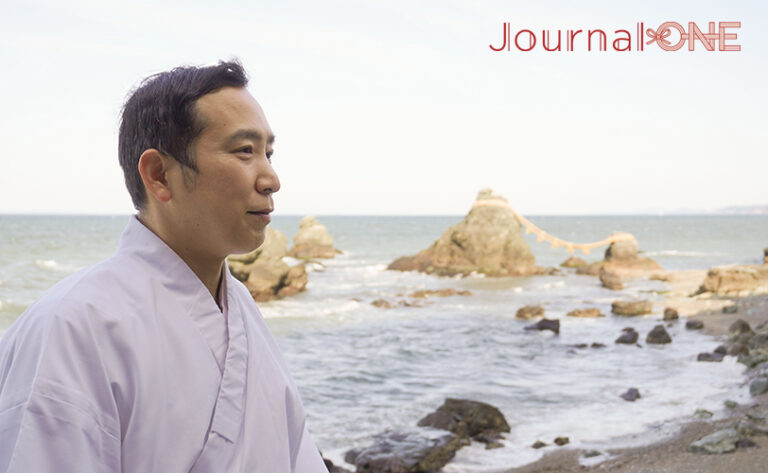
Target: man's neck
point(207, 268)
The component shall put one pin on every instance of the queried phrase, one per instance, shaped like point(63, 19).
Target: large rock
point(264, 272)
point(530, 312)
point(736, 280)
point(622, 258)
point(628, 337)
point(552, 325)
point(467, 418)
point(573, 262)
point(632, 308)
point(488, 241)
point(407, 452)
point(658, 335)
point(611, 280)
point(312, 240)
point(722, 441)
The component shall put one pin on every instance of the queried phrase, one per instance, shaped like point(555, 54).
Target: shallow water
point(362, 370)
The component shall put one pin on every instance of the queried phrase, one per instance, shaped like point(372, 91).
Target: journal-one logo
point(669, 36)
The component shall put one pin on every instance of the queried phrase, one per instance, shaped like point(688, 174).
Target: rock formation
point(264, 272)
point(312, 240)
point(622, 258)
point(736, 280)
point(488, 241)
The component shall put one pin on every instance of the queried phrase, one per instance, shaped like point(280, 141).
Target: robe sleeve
point(52, 403)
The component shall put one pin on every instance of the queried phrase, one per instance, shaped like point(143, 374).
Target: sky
point(400, 107)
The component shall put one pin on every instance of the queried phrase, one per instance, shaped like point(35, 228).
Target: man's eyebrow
point(250, 135)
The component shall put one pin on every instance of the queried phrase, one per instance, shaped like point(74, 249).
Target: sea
point(363, 370)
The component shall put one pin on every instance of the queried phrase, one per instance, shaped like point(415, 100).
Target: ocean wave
point(54, 266)
point(676, 253)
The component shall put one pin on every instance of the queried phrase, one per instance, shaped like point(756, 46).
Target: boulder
point(658, 335)
point(382, 304)
point(488, 241)
point(611, 280)
point(694, 324)
point(560, 441)
point(739, 327)
point(758, 386)
point(628, 337)
point(632, 308)
point(546, 324)
point(585, 313)
point(730, 309)
point(622, 258)
point(712, 357)
point(671, 314)
point(467, 418)
point(722, 441)
point(538, 444)
point(406, 452)
point(573, 262)
point(312, 241)
point(264, 272)
point(736, 280)
point(530, 312)
point(631, 395)
point(592, 269)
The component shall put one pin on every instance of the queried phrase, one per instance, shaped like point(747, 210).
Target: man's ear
point(154, 167)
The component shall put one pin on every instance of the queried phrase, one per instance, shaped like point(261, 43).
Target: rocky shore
point(683, 453)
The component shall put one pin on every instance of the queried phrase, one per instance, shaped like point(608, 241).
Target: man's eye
point(269, 156)
point(246, 149)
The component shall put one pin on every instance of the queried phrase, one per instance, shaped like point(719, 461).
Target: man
point(157, 359)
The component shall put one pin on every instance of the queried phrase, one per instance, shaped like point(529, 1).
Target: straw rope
point(541, 235)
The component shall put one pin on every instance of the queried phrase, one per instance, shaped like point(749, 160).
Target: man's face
point(226, 205)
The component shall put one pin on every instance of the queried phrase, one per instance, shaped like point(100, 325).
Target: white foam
point(54, 266)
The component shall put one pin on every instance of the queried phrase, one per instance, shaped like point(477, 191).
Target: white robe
point(115, 369)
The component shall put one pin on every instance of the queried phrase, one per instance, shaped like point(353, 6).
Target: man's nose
point(267, 181)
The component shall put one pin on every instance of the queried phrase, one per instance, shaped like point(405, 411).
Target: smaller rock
point(721, 349)
point(671, 314)
point(631, 395)
point(722, 441)
point(382, 304)
point(530, 312)
point(658, 335)
point(560, 441)
point(538, 444)
point(750, 428)
point(611, 280)
point(573, 262)
point(745, 443)
point(758, 386)
point(702, 414)
point(591, 454)
point(629, 337)
point(730, 309)
point(694, 325)
point(739, 327)
point(713, 357)
point(729, 404)
point(632, 308)
point(585, 313)
point(546, 324)
point(597, 345)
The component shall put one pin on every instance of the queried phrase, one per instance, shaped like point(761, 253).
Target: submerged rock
point(488, 241)
point(530, 312)
point(711, 357)
point(670, 314)
point(694, 324)
point(586, 313)
point(467, 418)
point(312, 240)
point(406, 452)
point(264, 272)
point(538, 444)
point(632, 308)
point(546, 324)
point(631, 395)
point(722, 441)
point(629, 337)
point(658, 335)
point(573, 262)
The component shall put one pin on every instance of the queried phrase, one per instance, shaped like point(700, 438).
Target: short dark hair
point(160, 114)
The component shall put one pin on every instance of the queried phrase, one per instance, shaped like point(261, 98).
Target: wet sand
point(671, 455)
